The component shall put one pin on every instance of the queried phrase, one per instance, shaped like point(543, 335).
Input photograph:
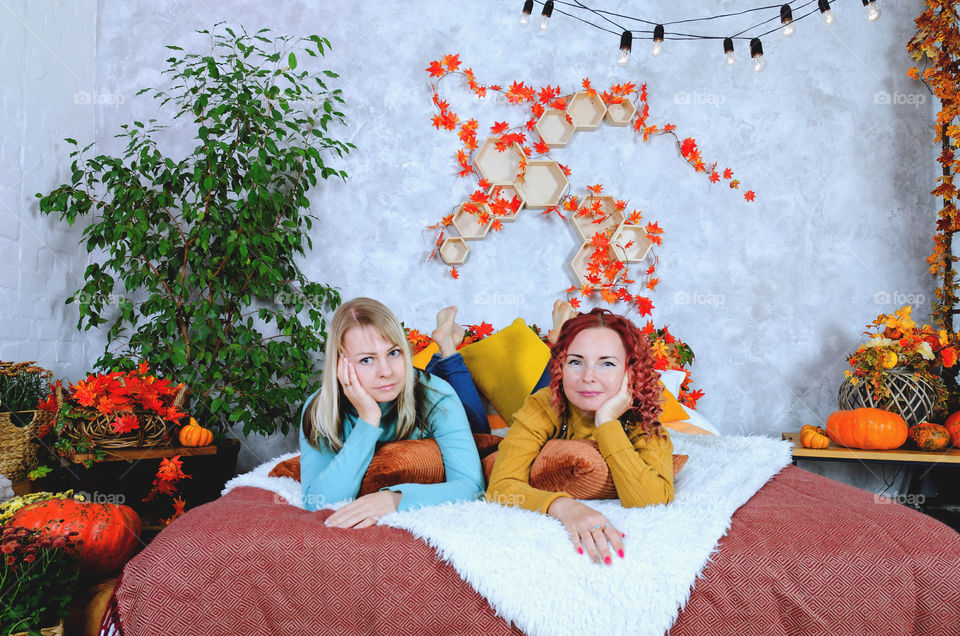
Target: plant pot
point(17, 448)
point(912, 398)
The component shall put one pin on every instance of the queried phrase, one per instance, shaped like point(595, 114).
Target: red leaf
point(452, 62)
point(749, 196)
point(435, 69)
point(454, 272)
point(499, 127)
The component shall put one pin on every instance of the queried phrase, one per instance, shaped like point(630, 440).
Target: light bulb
point(657, 40)
point(728, 50)
point(545, 15)
point(825, 12)
point(873, 9)
point(626, 43)
point(786, 19)
point(525, 13)
point(756, 52)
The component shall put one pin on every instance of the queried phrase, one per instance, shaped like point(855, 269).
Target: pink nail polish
point(607, 560)
point(579, 550)
point(622, 535)
point(620, 552)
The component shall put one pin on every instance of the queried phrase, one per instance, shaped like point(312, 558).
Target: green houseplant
point(198, 274)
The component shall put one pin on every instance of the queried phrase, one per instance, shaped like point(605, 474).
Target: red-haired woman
point(603, 386)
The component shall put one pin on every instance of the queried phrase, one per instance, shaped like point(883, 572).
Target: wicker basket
point(18, 449)
point(99, 431)
point(912, 397)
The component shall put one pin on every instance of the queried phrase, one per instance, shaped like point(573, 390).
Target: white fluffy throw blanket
point(525, 566)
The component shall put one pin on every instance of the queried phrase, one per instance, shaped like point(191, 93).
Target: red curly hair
point(647, 394)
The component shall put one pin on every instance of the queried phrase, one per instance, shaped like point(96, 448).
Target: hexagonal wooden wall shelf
point(586, 110)
point(554, 128)
point(620, 114)
point(543, 184)
point(511, 196)
point(468, 225)
point(610, 217)
point(454, 250)
point(631, 243)
point(499, 168)
point(581, 260)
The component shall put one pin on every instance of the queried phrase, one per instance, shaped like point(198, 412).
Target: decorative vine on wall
point(514, 169)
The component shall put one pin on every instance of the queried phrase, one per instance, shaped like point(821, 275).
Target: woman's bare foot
point(562, 312)
point(448, 334)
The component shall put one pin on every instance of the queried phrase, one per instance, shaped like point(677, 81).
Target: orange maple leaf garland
point(603, 261)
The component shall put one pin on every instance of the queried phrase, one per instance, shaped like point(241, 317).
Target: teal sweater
point(327, 477)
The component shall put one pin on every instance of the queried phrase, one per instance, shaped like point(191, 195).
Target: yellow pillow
point(672, 410)
point(421, 359)
point(687, 428)
point(506, 366)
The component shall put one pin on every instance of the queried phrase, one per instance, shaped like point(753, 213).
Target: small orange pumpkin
point(867, 428)
point(195, 435)
point(813, 437)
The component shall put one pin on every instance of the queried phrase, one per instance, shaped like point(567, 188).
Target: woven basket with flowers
point(22, 386)
point(121, 409)
point(897, 369)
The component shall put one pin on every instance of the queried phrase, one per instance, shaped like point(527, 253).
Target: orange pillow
point(672, 410)
point(573, 466)
point(411, 461)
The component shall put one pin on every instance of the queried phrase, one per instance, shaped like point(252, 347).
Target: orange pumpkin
point(953, 427)
point(867, 428)
point(195, 435)
point(813, 437)
point(928, 436)
point(110, 533)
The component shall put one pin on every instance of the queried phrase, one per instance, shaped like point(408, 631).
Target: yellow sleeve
point(533, 425)
point(642, 471)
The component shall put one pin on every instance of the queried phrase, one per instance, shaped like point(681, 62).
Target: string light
point(756, 52)
point(825, 12)
point(786, 19)
point(657, 40)
point(626, 43)
point(728, 50)
point(525, 13)
point(545, 14)
point(578, 10)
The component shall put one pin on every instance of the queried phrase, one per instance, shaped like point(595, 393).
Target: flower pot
point(912, 397)
point(17, 450)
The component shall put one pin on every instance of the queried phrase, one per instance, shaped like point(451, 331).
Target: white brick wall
point(47, 52)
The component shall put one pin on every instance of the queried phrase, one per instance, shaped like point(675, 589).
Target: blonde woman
point(375, 396)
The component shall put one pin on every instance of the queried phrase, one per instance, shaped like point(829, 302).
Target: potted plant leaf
point(195, 257)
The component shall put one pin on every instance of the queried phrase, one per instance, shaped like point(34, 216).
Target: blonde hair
point(323, 417)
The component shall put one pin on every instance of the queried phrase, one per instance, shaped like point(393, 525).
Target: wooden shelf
point(135, 454)
point(897, 455)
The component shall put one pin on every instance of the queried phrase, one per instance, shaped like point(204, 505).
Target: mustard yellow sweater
point(642, 471)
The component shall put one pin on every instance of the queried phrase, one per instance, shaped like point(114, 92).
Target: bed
point(804, 555)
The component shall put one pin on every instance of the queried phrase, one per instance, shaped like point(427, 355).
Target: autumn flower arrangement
point(669, 352)
point(896, 342)
point(38, 575)
point(134, 407)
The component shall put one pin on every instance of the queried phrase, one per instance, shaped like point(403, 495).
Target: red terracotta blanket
point(805, 555)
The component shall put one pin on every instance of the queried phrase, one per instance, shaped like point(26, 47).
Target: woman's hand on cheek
point(367, 407)
point(618, 404)
point(589, 530)
point(365, 511)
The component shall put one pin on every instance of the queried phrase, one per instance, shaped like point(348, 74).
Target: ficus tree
point(195, 258)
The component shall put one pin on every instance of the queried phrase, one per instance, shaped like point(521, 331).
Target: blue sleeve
point(455, 372)
point(326, 477)
point(461, 462)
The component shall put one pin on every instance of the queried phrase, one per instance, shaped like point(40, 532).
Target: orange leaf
point(575, 303)
point(499, 127)
point(435, 69)
point(596, 189)
point(452, 62)
point(728, 173)
point(749, 196)
point(714, 176)
point(454, 272)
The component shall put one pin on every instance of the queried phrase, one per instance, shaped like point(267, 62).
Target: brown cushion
point(573, 466)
